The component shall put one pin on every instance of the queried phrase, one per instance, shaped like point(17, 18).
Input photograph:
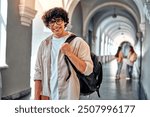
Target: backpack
point(92, 82)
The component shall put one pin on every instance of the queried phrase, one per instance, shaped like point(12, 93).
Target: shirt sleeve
point(38, 64)
point(85, 55)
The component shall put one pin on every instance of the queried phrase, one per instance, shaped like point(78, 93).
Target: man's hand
point(38, 89)
point(66, 49)
point(78, 63)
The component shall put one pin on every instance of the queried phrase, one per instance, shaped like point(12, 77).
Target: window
point(3, 24)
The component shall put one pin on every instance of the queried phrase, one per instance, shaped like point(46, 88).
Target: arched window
point(3, 24)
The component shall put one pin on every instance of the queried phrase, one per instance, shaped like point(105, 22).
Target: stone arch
point(139, 4)
point(71, 8)
point(107, 4)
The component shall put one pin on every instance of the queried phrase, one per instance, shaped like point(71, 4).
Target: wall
point(76, 20)
point(16, 78)
point(146, 62)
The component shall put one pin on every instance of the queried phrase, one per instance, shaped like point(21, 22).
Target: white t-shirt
point(56, 45)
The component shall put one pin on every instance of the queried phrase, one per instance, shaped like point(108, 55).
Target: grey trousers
point(129, 71)
point(119, 69)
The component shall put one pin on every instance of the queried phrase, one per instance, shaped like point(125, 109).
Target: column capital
point(27, 11)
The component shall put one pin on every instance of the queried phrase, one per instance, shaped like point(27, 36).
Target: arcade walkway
point(103, 24)
point(111, 89)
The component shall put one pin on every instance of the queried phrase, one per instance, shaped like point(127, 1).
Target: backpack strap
point(68, 40)
point(67, 62)
point(99, 80)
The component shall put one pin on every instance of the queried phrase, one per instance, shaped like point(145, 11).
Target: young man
point(51, 70)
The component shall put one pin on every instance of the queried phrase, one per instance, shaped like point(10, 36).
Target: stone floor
point(112, 89)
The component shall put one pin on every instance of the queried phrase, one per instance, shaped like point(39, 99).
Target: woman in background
point(119, 58)
point(132, 56)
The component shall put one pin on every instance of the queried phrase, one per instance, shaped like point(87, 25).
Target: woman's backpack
point(92, 82)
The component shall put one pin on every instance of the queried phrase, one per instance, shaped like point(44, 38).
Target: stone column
point(140, 35)
point(104, 54)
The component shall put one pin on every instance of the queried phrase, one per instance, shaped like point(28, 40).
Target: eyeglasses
point(58, 21)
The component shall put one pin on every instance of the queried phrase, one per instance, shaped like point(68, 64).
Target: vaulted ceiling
point(119, 19)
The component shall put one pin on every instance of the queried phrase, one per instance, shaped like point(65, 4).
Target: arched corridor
point(104, 25)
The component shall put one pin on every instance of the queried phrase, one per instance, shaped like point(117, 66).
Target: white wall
point(146, 61)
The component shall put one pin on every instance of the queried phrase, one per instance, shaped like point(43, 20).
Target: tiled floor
point(111, 89)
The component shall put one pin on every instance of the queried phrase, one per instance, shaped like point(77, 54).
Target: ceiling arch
point(117, 28)
point(118, 40)
point(111, 24)
point(122, 15)
point(107, 4)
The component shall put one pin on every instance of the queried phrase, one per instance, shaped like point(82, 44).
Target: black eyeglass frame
point(58, 21)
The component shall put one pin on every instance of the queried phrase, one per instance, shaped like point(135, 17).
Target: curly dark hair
point(53, 13)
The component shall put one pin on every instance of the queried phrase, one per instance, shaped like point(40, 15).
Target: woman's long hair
point(131, 49)
point(117, 54)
